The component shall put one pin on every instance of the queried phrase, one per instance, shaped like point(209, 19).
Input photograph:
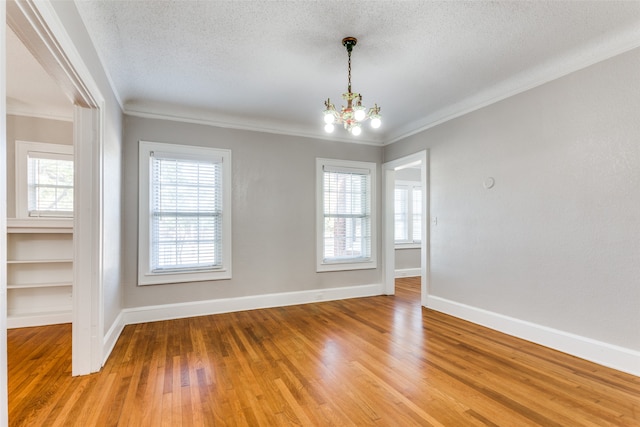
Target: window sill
point(345, 266)
point(183, 277)
point(408, 245)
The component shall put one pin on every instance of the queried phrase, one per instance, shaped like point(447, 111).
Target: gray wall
point(31, 129)
point(556, 242)
point(273, 212)
point(407, 258)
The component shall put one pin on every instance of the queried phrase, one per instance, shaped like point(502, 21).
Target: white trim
point(410, 186)
point(401, 246)
point(4, 400)
point(145, 275)
point(88, 248)
point(40, 225)
point(229, 305)
point(241, 123)
point(13, 111)
point(616, 357)
point(111, 337)
point(345, 165)
point(407, 272)
point(389, 252)
point(39, 319)
point(22, 150)
point(38, 26)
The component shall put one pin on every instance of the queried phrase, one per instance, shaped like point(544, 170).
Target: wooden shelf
point(37, 261)
point(38, 285)
point(39, 225)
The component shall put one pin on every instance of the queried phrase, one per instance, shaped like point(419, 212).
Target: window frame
point(23, 148)
point(410, 243)
point(145, 274)
point(323, 265)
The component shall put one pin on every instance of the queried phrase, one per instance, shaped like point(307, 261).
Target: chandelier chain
point(349, 88)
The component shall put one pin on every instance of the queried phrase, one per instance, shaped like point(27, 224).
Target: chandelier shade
point(354, 114)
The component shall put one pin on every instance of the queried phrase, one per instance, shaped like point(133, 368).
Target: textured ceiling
point(269, 65)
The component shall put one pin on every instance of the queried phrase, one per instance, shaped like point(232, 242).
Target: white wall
point(111, 157)
point(273, 212)
point(556, 241)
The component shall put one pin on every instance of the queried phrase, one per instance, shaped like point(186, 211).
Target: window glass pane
point(49, 186)
point(186, 214)
point(401, 214)
point(347, 218)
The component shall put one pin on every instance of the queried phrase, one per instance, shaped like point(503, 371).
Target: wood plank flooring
point(380, 361)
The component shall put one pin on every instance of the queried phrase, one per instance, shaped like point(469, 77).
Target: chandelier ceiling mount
point(354, 113)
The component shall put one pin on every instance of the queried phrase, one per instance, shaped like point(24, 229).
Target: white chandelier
point(352, 115)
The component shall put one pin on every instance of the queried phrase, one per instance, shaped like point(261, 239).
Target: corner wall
point(555, 244)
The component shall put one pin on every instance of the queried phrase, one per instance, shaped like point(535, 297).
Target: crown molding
point(39, 113)
point(186, 115)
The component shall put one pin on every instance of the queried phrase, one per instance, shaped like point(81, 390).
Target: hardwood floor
point(381, 361)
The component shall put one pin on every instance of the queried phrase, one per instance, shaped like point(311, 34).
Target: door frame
point(388, 179)
point(38, 26)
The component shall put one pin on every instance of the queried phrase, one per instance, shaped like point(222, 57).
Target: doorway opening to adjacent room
point(38, 27)
point(406, 221)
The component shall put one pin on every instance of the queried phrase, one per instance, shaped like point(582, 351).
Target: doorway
point(39, 28)
point(392, 171)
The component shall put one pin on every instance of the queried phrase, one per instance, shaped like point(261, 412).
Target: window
point(44, 180)
point(346, 218)
point(185, 217)
point(408, 213)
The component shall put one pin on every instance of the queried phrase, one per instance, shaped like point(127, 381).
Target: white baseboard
point(616, 357)
point(407, 272)
point(112, 336)
point(228, 305)
point(38, 319)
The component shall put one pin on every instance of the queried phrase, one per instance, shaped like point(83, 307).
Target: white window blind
point(416, 213)
point(401, 213)
point(347, 214)
point(49, 184)
point(186, 213)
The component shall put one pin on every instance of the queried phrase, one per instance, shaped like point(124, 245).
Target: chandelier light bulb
point(356, 130)
point(329, 117)
point(328, 128)
point(376, 122)
point(359, 113)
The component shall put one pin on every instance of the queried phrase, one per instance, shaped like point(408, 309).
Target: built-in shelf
point(37, 261)
point(39, 285)
point(39, 271)
point(39, 225)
